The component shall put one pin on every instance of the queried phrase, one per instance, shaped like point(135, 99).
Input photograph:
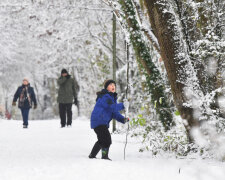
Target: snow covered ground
point(47, 152)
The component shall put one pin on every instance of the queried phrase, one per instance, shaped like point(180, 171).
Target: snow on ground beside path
point(47, 152)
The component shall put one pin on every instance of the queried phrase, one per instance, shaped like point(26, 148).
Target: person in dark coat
point(106, 109)
point(26, 96)
point(66, 97)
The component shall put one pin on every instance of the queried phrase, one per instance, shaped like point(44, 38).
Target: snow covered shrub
point(156, 139)
point(210, 138)
point(146, 126)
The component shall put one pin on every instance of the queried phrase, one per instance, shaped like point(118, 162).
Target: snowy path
point(47, 152)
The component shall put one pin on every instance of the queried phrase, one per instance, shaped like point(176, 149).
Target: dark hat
point(108, 82)
point(64, 71)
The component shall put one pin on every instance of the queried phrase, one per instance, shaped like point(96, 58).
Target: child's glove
point(14, 103)
point(126, 104)
point(126, 120)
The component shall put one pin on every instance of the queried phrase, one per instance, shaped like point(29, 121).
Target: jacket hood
point(64, 71)
point(105, 91)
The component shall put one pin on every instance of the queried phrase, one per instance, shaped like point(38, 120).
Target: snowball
point(211, 66)
point(221, 102)
point(198, 137)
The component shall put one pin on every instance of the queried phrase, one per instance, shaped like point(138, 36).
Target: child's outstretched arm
point(118, 117)
point(119, 106)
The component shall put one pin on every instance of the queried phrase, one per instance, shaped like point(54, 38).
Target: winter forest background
point(172, 50)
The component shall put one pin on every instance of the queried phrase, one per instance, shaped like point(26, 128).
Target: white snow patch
point(45, 151)
point(212, 66)
point(199, 138)
point(221, 102)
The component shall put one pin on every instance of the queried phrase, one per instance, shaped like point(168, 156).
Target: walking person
point(106, 109)
point(66, 97)
point(26, 96)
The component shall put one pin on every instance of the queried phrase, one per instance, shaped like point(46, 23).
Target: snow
point(46, 151)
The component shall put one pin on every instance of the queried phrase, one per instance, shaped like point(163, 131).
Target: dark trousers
point(65, 112)
point(104, 136)
point(25, 115)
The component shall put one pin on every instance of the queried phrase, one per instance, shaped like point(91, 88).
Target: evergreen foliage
point(154, 81)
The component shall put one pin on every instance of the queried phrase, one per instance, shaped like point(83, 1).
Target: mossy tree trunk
point(155, 83)
point(170, 39)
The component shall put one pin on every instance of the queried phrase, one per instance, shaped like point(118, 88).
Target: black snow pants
point(65, 112)
point(104, 136)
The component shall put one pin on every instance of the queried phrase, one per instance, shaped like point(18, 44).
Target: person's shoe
point(96, 148)
point(62, 126)
point(25, 126)
point(107, 158)
point(105, 153)
point(91, 156)
point(69, 125)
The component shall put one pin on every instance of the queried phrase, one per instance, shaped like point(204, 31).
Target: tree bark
point(165, 29)
point(156, 85)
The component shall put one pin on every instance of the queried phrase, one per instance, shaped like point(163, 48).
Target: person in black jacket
point(26, 96)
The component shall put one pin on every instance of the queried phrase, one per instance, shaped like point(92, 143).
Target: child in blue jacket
point(106, 109)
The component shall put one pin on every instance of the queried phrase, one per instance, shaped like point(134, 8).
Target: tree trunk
point(155, 84)
point(169, 36)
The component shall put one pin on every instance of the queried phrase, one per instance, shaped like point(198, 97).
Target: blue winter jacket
point(106, 109)
point(26, 104)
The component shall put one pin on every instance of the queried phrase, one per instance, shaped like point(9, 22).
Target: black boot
point(105, 153)
point(95, 150)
